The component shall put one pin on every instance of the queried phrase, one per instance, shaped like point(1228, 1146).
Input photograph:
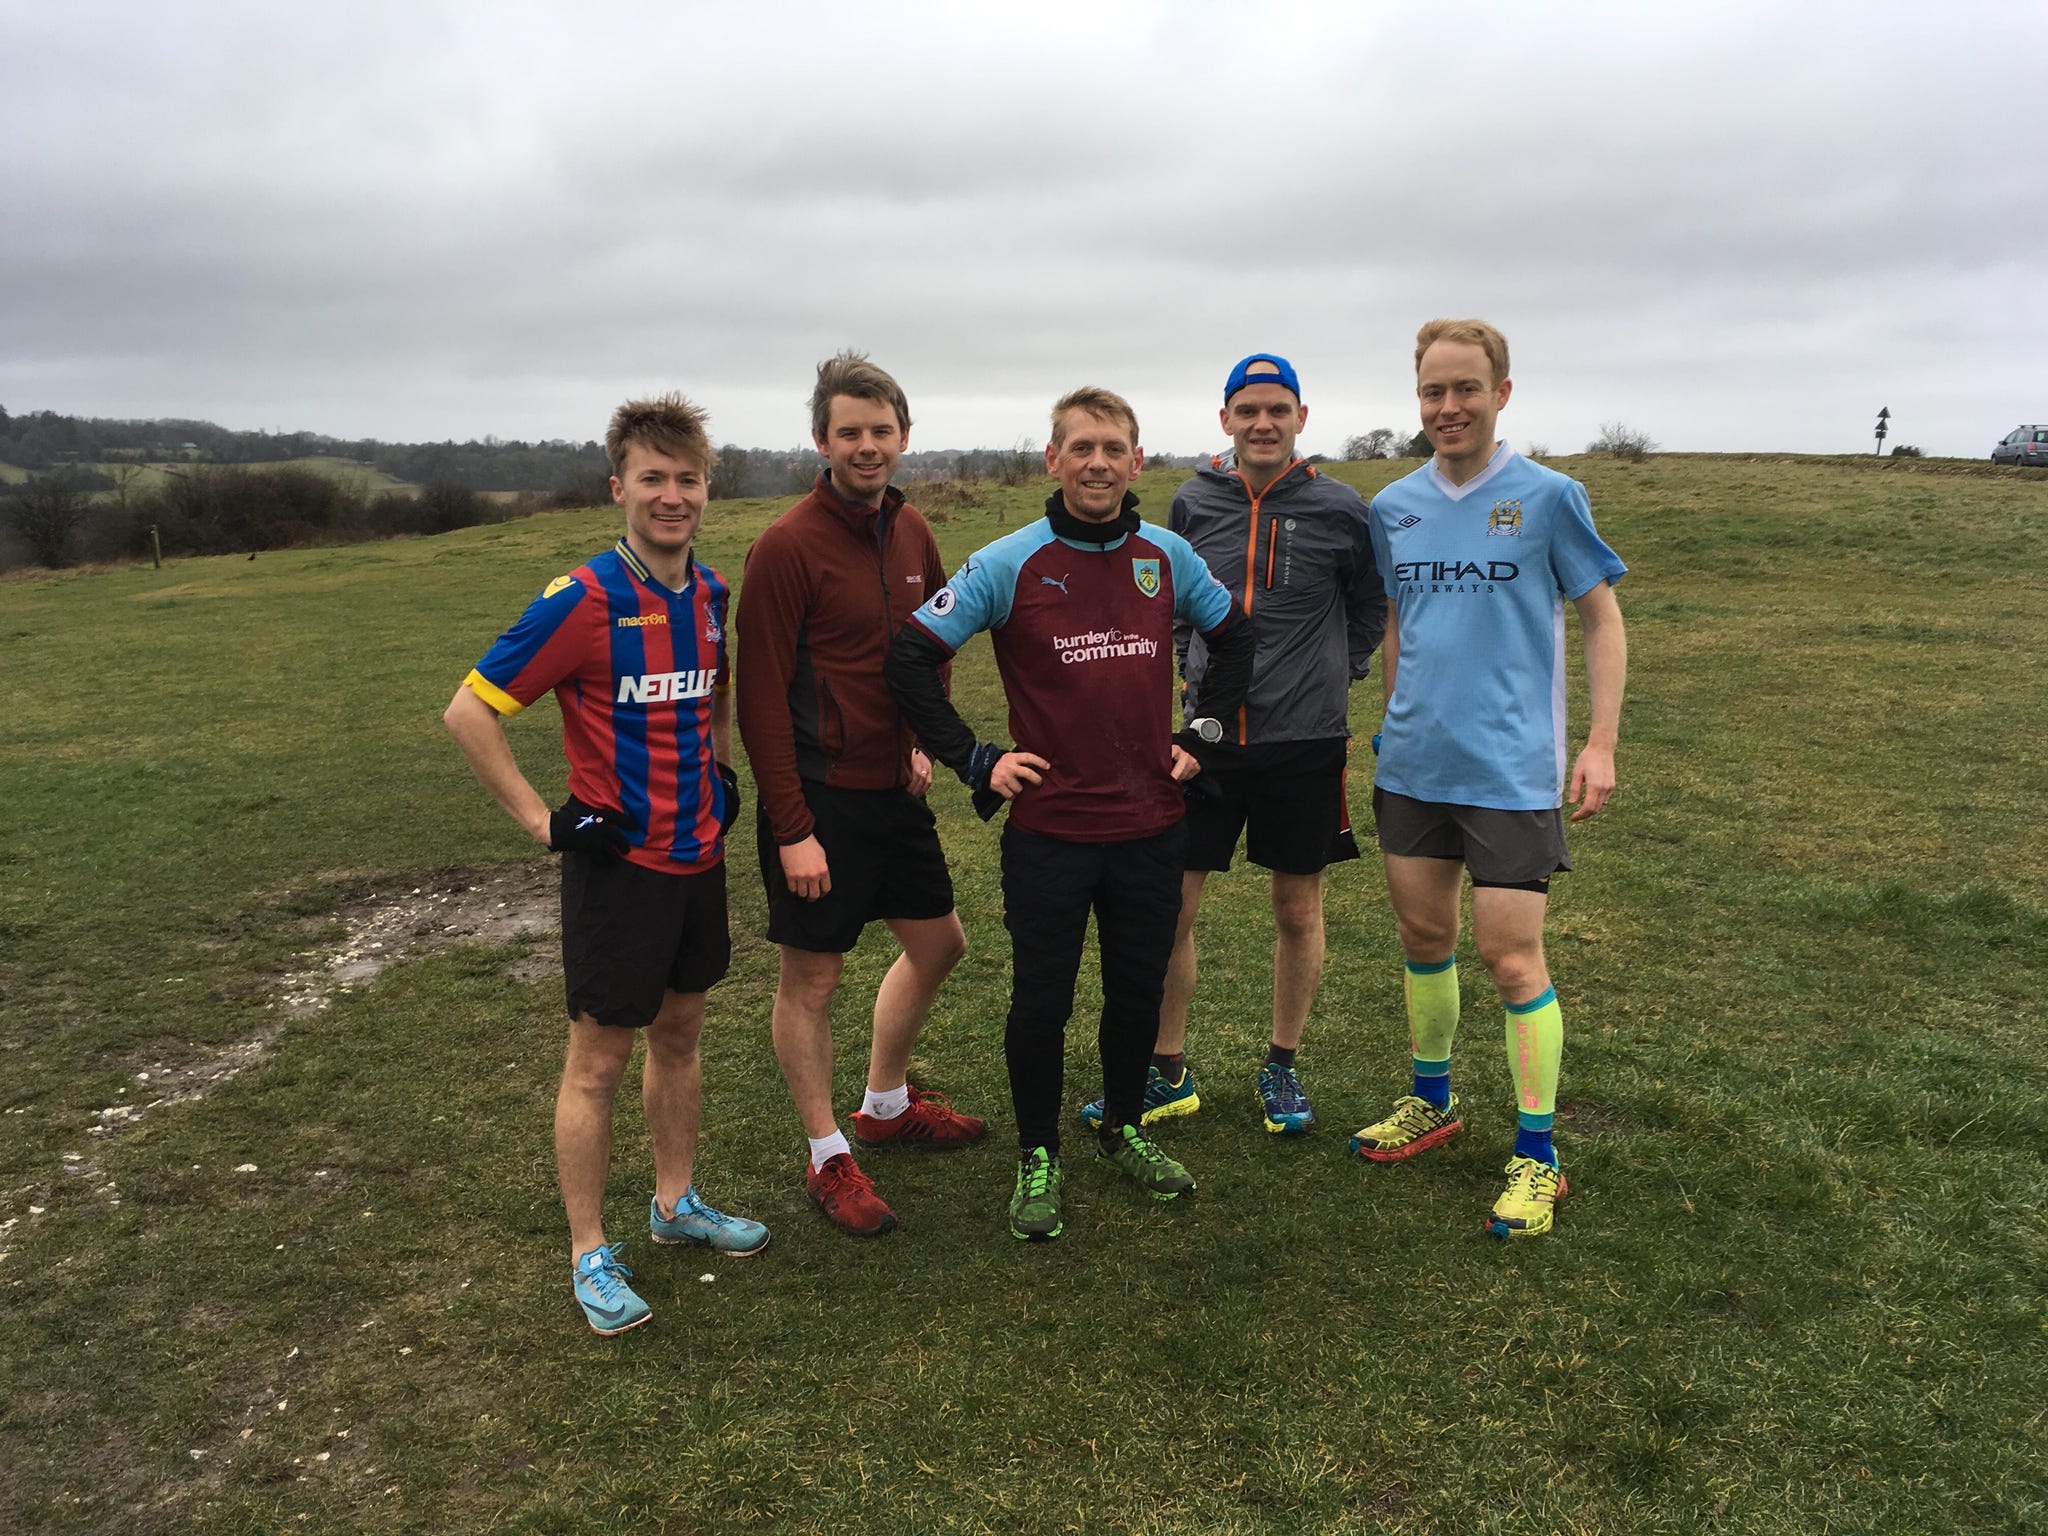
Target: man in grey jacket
point(1295, 549)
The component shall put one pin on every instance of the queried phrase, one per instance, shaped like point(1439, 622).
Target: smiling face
point(1095, 459)
point(664, 498)
point(1460, 401)
point(1263, 421)
point(862, 443)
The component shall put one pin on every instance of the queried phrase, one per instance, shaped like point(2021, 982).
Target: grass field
point(1799, 1285)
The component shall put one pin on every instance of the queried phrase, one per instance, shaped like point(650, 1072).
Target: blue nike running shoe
point(608, 1303)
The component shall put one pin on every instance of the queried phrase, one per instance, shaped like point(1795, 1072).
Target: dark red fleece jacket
point(825, 590)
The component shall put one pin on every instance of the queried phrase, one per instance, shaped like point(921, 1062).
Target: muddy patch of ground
point(402, 922)
point(381, 925)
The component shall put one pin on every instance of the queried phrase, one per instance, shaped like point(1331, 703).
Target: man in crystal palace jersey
point(632, 644)
point(1480, 550)
point(1081, 609)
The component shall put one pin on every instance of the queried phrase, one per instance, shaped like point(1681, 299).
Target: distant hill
point(42, 441)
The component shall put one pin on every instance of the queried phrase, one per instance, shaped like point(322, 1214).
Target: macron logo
point(666, 687)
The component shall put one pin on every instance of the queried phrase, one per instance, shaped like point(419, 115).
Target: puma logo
point(1057, 581)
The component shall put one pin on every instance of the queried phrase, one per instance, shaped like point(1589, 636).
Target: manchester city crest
point(1505, 520)
point(1146, 574)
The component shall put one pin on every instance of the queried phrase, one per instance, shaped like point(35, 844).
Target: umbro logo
point(1408, 522)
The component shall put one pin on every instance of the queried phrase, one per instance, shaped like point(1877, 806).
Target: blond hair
point(1477, 332)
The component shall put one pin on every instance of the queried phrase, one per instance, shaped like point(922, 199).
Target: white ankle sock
point(824, 1147)
point(886, 1106)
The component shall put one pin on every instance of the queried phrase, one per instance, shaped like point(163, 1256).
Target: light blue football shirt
point(1480, 573)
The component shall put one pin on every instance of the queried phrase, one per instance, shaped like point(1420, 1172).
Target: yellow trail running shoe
point(1525, 1206)
point(1415, 1125)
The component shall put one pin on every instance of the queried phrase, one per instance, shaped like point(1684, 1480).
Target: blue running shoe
point(608, 1303)
point(1163, 1100)
point(1286, 1105)
point(696, 1222)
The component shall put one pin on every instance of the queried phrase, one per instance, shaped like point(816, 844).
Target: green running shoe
point(1143, 1163)
point(1035, 1206)
point(1163, 1100)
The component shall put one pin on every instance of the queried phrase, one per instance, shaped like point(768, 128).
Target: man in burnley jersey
point(1081, 609)
point(1294, 546)
point(632, 643)
point(1480, 550)
point(843, 833)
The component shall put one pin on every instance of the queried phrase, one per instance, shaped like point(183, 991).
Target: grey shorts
point(1517, 849)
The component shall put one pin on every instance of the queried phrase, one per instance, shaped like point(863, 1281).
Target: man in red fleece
point(845, 837)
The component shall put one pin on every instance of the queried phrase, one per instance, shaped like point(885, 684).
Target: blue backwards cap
point(1284, 376)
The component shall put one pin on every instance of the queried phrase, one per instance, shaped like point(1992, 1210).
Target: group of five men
point(1272, 585)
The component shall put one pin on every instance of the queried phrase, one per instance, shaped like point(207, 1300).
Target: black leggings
point(1049, 888)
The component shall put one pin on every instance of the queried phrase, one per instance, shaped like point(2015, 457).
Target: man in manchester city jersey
point(632, 643)
point(1480, 550)
point(1081, 608)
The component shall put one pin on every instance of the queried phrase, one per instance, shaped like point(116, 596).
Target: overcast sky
point(1730, 226)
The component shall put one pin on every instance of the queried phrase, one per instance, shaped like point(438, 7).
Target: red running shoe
point(848, 1197)
point(931, 1121)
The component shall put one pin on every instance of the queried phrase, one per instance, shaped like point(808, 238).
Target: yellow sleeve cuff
point(491, 693)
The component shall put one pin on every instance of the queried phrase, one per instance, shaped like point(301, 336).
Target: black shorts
point(1520, 849)
point(1286, 796)
point(629, 934)
point(882, 849)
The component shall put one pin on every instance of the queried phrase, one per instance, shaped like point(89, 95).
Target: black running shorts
point(629, 934)
point(1287, 797)
point(882, 850)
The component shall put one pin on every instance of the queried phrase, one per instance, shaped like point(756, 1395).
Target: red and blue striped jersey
point(633, 666)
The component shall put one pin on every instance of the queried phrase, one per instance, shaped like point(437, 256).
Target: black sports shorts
point(1520, 849)
point(629, 934)
point(1286, 796)
point(882, 849)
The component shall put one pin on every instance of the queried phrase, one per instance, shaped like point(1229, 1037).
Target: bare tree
point(47, 512)
point(1622, 442)
point(1379, 443)
point(729, 473)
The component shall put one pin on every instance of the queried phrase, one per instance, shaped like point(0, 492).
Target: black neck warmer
point(1081, 531)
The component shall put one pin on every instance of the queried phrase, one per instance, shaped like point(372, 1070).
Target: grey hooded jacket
point(1298, 560)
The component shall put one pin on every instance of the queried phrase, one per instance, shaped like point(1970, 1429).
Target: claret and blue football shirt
point(1479, 574)
point(633, 666)
point(1083, 636)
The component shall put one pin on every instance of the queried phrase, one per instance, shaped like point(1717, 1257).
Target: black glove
point(592, 829)
point(981, 762)
point(729, 777)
